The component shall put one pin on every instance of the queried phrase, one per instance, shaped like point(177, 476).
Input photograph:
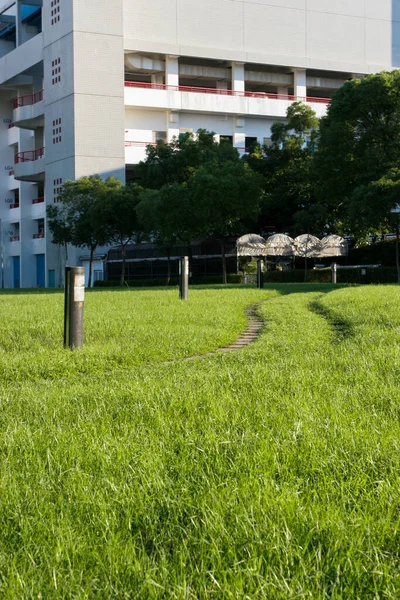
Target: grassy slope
point(271, 472)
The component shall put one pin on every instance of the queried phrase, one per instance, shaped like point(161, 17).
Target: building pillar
point(18, 24)
point(300, 83)
point(172, 70)
point(172, 126)
point(238, 82)
point(239, 135)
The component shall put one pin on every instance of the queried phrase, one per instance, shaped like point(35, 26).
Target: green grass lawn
point(271, 472)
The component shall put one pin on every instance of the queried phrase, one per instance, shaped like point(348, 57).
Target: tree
point(118, 213)
point(224, 195)
point(57, 221)
point(166, 164)
point(287, 166)
point(204, 189)
point(359, 153)
point(75, 220)
point(164, 219)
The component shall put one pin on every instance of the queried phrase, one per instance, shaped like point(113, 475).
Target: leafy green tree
point(204, 189)
point(359, 153)
point(165, 218)
point(166, 164)
point(223, 196)
point(57, 222)
point(287, 166)
point(76, 219)
point(117, 212)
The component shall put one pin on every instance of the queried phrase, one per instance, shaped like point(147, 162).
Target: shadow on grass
point(281, 288)
point(341, 328)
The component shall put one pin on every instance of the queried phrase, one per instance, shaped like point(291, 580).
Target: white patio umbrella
point(250, 245)
point(279, 245)
point(332, 245)
point(306, 245)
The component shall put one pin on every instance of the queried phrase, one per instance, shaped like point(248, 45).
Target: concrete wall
point(359, 36)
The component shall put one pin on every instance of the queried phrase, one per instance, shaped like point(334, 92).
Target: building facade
point(85, 85)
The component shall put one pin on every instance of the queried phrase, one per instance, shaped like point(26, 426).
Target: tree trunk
point(305, 268)
point(223, 257)
point(397, 252)
point(123, 250)
point(92, 249)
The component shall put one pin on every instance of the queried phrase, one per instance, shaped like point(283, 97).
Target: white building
point(86, 84)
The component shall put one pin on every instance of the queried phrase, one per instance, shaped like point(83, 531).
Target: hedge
point(379, 275)
point(161, 282)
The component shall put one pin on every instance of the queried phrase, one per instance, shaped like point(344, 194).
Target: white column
point(239, 135)
point(172, 70)
point(172, 125)
point(238, 83)
point(18, 24)
point(300, 83)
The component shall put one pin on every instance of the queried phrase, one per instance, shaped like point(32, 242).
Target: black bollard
point(184, 278)
point(73, 307)
point(260, 274)
point(364, 275)
point(334, 273)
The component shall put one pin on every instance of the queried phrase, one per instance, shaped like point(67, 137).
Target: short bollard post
point(364, 275)
point(184, 278)
point(73, 307)
point(260, 274)
point(334, 273)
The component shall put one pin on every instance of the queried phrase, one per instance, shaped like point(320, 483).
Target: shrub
point(209, 280)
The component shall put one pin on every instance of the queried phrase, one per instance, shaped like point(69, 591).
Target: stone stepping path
point(254, 326)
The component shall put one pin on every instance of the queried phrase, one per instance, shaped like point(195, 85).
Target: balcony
point(29, 165)
point(38, 243)
point(14, 205)
point(29, 111)
point(38, 209)
point(14, 238)
point(200, 99)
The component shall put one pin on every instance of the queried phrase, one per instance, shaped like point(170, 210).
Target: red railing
point(38, 200)
point(28, 100)
point(14, 238)
point(38, 236)
point(10, 173)
point(29, 155)
point(204, 90)
point(14, 205)
point(11, 125)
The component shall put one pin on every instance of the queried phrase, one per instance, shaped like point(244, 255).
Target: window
point(56, 70)
point(57, 183)
point(55, 11)
point(57, 131)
